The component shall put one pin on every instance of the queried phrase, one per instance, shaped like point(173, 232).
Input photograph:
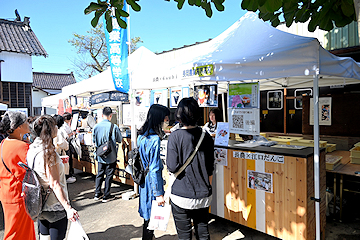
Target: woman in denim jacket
point(148, 142)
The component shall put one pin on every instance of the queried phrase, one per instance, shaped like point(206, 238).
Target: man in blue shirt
point(106, 165)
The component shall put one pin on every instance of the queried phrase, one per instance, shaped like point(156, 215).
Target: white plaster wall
point(37, 96)
point(16, 67)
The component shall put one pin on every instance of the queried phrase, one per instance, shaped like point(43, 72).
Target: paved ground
point(120, 220)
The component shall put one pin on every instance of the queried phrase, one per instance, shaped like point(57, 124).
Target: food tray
point(330, 147)
point(308, 143)
point(355, 152)
point(332, 161)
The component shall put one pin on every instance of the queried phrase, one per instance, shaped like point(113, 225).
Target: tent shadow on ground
point(125, 232)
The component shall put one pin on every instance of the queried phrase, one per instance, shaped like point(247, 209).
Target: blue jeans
point(108, 170)
point(183, 224)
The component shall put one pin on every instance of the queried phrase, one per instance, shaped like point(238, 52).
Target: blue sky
point(159, 24)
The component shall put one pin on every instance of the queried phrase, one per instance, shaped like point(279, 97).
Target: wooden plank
point(227, 185)
point(260, 201)
point(234, 201)
point(302, 193)
point(289, 224)
point(251, 197)
point(270, 202)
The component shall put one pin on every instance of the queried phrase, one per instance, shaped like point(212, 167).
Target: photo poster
point(126, 114)
point(142, 98)
point(220, 155)
point(244, 95)
point(260, 181)
point(244, 121)
point(324, 111)
point(176, 94)
point(140, 116)
point(222, 134)
point(159, 96)
point(206, 95)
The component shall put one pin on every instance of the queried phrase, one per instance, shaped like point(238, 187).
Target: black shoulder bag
point(104, 149)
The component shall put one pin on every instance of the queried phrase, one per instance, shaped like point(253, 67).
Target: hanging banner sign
point(324, 111)
point(244, 95)
point(118, 52)
point(259, 156)
point(159, 96)
point(206, 95)
point(176, 94)
point(109, 96)
point(201, 71)
point(244, 121)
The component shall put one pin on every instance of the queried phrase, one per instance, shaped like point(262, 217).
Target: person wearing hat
point(106, 165)
point(18, 224)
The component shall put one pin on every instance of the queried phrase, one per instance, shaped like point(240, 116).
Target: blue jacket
point(149, 148)
point(101, 135)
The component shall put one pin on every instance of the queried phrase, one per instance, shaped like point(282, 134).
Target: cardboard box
point(332, 161)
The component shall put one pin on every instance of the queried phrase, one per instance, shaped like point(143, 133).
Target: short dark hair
point(107, 111)
point(217, 113)
point(188, 112)
point(154, 118)
point(67, 116)
point(59, 120)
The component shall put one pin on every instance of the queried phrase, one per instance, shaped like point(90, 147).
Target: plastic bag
point(76, 232)
point(160, 215)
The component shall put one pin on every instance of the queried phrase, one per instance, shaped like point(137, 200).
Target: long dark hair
point(154, 118)
point(44, 127)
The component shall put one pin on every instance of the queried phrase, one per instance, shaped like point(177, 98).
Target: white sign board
point(244, 121)
point(324, 111)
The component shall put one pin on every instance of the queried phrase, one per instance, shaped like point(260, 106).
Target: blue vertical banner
point(118, 55)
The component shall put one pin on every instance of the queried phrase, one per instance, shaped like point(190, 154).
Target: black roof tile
point(55, 81)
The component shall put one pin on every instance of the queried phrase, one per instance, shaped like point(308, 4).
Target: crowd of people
point(46, 142)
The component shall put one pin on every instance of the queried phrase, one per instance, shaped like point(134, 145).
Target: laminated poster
point(260, 181)
point(159, 96)
point(176, 94)
point(142, 98)
point(140, 116)
point(244, 121)
point(220, 155)
point(126, 114)
point(324, 111)
point(206, 95)
point(244, 95)
point(222, 134)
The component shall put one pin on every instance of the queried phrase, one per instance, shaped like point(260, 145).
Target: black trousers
point(108, 170)
point(56, 230)
point(183, 217)
point(147, 234)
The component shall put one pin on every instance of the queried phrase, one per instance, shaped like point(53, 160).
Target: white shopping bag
point(76, 232)
point(160, 215)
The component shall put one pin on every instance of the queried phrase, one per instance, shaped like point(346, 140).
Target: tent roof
point(253, 50)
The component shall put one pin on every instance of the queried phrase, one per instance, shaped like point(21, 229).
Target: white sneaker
point(71, 180)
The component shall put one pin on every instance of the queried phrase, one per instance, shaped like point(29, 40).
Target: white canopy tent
point(253, 50)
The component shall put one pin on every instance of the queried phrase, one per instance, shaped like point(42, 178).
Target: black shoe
point(98, 197)
point(108, 198)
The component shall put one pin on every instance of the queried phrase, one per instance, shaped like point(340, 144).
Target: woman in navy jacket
point(148, 142)
point(191, 193)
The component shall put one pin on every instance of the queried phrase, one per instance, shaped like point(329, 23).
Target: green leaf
point(198, 3)
point(121, 22)
point(93, 7)
point(289, 18)
point(108, 18)
point(347, 9)
point(219, 6)
point(136, 7)
point(208, 10)
point(326, 23)
point(95, 20)
point(191, 2)
point(273, 5)
point(250, 5)
point(180, 3)
point(122, 13)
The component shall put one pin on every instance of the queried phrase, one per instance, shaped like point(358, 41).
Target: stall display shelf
point(330, 147)
point(355, 160)
point(332, 161)
point(308, 143)
point(355, 152)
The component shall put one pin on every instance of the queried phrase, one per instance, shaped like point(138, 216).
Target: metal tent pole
point(316, 155)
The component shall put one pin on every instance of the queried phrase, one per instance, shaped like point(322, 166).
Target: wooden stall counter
point(87, 162)
point(269, 189)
